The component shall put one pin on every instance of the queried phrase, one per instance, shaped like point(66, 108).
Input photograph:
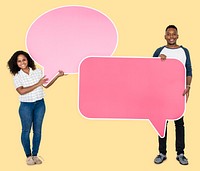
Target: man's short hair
point(171, 26)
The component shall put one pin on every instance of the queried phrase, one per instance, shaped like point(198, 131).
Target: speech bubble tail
point(159, 125)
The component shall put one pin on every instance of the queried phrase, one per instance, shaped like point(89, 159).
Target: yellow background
point(71, 142)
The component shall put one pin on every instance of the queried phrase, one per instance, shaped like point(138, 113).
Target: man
point(178, 52)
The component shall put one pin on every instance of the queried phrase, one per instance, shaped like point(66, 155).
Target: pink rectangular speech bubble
point(132, 88)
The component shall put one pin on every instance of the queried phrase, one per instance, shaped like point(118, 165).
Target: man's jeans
point(180, 138)
point(31, 114)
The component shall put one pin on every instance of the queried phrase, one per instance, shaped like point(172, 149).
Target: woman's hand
point(24, 90)
point(42, 81)
point(60, 73)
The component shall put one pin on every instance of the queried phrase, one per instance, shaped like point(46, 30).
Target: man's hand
point(186, 92)
point(162, 57)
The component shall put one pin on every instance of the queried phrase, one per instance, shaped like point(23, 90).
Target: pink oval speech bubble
point(62, 37)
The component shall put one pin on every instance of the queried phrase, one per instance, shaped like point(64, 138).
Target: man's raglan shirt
point(181, 53)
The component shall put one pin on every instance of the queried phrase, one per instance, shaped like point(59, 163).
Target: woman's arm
point(24, 90)
point(60, 73)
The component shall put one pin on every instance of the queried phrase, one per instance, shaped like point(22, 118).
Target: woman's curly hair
point(12, 63)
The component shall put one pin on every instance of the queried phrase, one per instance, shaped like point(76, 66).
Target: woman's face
point(22, 62)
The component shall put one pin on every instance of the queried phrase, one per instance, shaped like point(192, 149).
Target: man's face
point(171, 36)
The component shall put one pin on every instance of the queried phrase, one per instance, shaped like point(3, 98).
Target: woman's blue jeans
point(31, 115)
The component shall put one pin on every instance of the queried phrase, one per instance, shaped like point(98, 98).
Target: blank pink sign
point(132, 88)
point(60, 38)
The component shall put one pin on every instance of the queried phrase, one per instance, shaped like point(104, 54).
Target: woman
point(28, 83)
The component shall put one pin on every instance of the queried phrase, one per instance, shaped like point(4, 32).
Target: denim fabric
point(31, 115)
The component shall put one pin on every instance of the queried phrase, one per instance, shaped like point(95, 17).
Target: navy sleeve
point(157, 52)
point(188, 64)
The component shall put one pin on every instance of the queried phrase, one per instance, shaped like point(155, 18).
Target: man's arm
point(188, 84)
point(188, 67)
point(157, 52)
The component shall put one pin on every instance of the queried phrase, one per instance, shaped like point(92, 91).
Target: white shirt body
point(26, 80)
point(177, 53)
